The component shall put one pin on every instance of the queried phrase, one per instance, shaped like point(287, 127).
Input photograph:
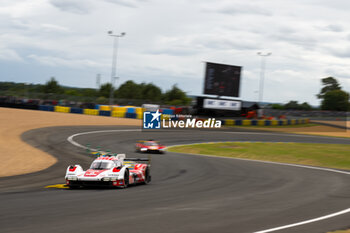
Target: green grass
point(276, 126)
point(322, 155)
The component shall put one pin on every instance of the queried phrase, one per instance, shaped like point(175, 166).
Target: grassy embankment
point(276, 126)
point(322, 155)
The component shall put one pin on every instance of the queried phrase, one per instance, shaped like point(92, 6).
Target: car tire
point(147, 176)
point(126, 179)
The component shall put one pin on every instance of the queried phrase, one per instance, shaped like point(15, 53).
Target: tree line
point(293, 105)
point(146, 91)
point(332, 97)
point(127, 90)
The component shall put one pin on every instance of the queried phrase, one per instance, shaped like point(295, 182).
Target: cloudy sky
point(167, 42)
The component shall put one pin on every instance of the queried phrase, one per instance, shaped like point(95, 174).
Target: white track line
point(70, 138)
point(345, 211)
point(306, 222)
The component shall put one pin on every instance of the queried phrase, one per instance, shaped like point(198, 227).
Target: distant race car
point(149, 146)
point(113, 171)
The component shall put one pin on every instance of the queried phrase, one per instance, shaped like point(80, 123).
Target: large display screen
point(222, 80)
point(232, 105)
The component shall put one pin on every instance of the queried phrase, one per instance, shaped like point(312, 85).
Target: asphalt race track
point(188, 193)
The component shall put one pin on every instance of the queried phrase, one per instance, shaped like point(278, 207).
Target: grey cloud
point(126, 3)
point(73, 6)
point(343, 53)
point(244, 9)
point(172, 52)
point(342, 5)
point(300, 35)
point(225, 44)
point(297, 38)
point(64, 62)
point(9, 55)
point(338, 72)
point(202, 43)
point(286, 30)
point(334, 28)
point(19, 24)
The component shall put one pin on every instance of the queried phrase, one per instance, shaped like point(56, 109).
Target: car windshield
point(101, 165)
point(151, 144)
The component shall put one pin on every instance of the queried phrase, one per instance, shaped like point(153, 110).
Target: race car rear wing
point(148, 160)
point(137, 159)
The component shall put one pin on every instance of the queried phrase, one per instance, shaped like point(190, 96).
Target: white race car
point(114, 171)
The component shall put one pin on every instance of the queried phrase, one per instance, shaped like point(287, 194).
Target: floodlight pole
point(262, 74)
point(114, 62)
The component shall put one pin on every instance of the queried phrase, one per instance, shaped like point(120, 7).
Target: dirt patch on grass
point(13, 122)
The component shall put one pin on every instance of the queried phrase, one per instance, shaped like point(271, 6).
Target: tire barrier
point(77, 110)
point(130, 115)
point(91, 112)
point(104, 108)
point(118, 114)
point(137, 113)
point(119, 111)
point(104, 113)
point(231, 122)
point(47, 108)
point(62, 109)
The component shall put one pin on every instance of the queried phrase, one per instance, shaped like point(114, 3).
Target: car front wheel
point(126, 179)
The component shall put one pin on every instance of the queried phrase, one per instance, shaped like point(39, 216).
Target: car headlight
point(106, 179)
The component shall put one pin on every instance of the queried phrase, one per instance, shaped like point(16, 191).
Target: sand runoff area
point(14, 122)
point(337, 123)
